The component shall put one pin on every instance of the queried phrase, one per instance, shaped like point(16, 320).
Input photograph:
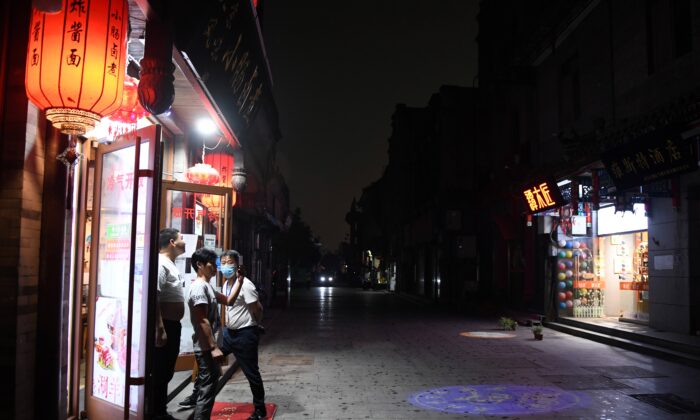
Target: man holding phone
point(242, 333)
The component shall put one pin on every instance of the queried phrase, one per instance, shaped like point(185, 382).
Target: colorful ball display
point(569, 304)
point(562, 296)
point(570, 283)
point(561, 276)
point(569, 273)
point(582, 245)
point(569, 263)
point(562, 254)
point(562, 285)
point(577, 302)
point(569, 294)
point(562, 305)
point(577, 244)
point(577, 253)
point(561, 243)
point(561, 266)
point(569, 254)
point(569, 244)
point(584, 265)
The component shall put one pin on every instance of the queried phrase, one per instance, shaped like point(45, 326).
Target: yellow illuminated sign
point(541, 197)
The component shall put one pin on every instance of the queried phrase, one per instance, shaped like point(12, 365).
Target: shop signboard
point(222, 40)
point(541, 196)
point(655, 156)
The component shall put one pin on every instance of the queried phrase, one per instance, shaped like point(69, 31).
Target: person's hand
point(217, 355)
point(161, 337)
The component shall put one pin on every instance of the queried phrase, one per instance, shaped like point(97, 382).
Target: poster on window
point(113, 274)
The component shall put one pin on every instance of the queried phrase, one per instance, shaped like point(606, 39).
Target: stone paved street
point(340, 353)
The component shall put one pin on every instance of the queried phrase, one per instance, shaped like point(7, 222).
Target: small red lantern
point(202, 173)
point(76, 62)
point(223, 163)
point(125, 118)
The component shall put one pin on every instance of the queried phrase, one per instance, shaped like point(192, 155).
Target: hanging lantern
point(124, 119)
point(76, 61)
point(223, 164)
point(239, 178)
point(203, 173)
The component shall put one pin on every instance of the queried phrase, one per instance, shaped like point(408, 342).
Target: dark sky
point(339, 68)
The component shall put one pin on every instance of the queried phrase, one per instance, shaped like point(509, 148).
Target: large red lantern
point(76, 62)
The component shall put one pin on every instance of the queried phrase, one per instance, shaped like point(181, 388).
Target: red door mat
point(238, 411)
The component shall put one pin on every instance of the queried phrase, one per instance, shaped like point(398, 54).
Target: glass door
point(201, 214)
point(126, 180)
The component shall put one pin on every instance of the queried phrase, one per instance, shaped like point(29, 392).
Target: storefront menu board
point(113, 264)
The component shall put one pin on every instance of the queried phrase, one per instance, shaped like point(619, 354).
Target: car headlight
point(330, 278)
point(323, 278)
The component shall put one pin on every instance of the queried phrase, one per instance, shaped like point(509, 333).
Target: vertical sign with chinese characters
point(542, 196)
point(222, 40)
point(652, 157)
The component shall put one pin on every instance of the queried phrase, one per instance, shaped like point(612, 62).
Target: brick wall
point(21, 171)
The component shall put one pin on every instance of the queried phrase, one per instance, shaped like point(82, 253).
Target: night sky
point(339, 69)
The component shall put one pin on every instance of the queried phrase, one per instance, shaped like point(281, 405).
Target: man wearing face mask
point(204, 315)
point(170, 308)
point(242, 333)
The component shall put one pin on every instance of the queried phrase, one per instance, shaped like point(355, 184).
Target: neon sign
point(542, 196)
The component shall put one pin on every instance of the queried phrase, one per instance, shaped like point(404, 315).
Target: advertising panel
point(113, 266)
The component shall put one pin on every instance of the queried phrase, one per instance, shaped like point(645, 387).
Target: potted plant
point(537, 331)
point(507, 323)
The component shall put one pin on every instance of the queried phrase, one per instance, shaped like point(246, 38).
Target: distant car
point(325, 279)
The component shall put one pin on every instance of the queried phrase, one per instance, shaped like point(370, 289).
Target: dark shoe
point(189, 402)
point(257, 415)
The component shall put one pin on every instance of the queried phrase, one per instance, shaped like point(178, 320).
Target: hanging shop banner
point(222, 39)
point(652, 157)
point(541, 196)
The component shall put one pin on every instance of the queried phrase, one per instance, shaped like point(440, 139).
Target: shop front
point(605, 260)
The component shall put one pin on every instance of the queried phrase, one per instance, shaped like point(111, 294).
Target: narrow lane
point(340, 353)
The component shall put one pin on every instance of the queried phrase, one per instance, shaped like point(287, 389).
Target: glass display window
point(624, 265)
point(579, 292)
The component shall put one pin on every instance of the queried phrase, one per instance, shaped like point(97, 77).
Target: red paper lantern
point(223, 163)
point(202, 173)
point(124, 119)
point(130, 110)
point(76, 62)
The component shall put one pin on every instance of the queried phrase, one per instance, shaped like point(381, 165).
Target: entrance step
point(683, 353)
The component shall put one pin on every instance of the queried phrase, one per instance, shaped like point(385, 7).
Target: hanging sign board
point(541, 196)
point(652, 157)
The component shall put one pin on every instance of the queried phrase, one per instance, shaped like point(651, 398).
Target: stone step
point(651, 338)
point(666, 353)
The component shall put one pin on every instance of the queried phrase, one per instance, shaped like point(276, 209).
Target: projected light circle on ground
point(498, 399)
point(486, 334)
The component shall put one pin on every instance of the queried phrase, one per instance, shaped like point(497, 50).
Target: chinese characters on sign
point(189, 213)
point(227, 45)
point(542, 196)
point(655, 156)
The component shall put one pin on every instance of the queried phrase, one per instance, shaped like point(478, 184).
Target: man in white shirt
point(170, 308)
point(242, 333)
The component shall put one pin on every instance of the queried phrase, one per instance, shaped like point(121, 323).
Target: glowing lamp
point(202, 173)
point(76, 61)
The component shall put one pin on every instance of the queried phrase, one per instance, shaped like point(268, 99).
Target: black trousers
point(206, 382)
point(243, 344)
point(164, 359)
